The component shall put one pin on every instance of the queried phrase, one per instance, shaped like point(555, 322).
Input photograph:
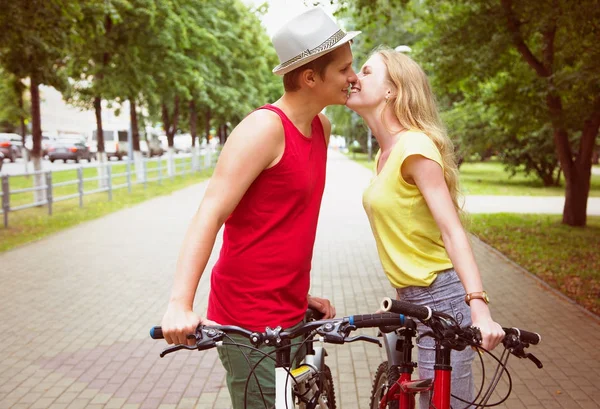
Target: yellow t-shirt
point(408, 239)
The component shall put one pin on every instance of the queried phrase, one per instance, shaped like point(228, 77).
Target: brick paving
point(77, 306)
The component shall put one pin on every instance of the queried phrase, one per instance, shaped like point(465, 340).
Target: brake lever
point(533, 359)
point(364, 338)
point(205, 339)
point(177, 348)
point(519, 352)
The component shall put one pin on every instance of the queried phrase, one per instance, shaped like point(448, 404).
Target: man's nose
point(353, 77)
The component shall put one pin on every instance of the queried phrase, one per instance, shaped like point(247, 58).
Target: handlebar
point(424, 313)
point(334, 331)
point(532, 338)
point(516, 340)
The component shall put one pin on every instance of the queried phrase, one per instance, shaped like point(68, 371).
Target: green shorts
point(238, 368)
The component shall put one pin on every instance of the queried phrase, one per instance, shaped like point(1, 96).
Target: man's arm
point(254, 145)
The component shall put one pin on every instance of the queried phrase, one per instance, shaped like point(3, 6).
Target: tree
point(550, 52)
point(34, 42)
point(537, 62)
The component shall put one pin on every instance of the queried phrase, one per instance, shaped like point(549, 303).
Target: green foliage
point(11, 91)
point(388, 29)
point(493, 99)
point(213, 52)
point(35, 38)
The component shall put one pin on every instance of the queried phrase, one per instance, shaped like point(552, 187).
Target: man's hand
point(179, 322)
point(322, 305)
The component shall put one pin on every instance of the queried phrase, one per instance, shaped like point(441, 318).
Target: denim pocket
point(461, 312)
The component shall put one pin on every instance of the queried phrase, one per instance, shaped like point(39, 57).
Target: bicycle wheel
point(383, 378)
point(327, 387)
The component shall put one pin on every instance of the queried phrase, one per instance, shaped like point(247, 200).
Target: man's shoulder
point(326, 124)
point(261, 122)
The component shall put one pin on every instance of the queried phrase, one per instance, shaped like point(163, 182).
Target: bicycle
point(310, 385)
point(393, 387)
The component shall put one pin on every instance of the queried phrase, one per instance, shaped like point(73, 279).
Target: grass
point(490, 178)
point(70, 176)
point(35, 223)
point(566, 258)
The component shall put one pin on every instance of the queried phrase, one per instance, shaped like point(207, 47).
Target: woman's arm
point(428, 176)
point(254, 145)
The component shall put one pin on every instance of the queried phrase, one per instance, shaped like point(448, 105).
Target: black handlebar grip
point(376, 320)
point(406, 308)
point(532, 338)
point(156, 333)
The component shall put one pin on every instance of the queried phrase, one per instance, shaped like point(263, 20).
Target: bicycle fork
point(399, 352)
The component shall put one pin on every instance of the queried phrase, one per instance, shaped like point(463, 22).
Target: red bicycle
point(393, 387)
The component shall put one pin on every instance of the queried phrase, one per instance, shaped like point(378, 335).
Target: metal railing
point(152, 170)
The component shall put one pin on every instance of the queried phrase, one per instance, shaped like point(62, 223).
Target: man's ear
point(309, 77)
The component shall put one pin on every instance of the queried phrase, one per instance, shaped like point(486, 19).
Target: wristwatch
point(482, 295)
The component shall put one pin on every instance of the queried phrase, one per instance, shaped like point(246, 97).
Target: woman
point(412, 205)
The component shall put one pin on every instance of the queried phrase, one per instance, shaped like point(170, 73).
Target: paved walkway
point(76, 308)
point(524, 204)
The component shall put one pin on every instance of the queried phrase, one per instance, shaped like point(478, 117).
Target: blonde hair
point(415, 107)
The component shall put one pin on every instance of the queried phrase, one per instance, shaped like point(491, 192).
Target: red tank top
point(262, 276)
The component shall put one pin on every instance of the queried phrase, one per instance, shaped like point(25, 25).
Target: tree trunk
point(170, 126)
point(193, 122)
point(99, 130)
point(21, 116)
point(138, 157)
point(24, 150)
point(36, 136)
point(194, 132)
point(135, 131)
point(207, 125)
point(221, 135)
point(36, 120)
point(576, 197)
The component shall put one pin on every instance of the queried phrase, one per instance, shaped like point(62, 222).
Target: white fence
point(153, 170)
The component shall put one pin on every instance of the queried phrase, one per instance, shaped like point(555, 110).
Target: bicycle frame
point(284, 383)
point(399, 352)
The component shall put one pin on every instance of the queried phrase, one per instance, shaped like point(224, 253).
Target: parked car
point(11, 146)
point(47, 140)
point(182, 143)
point(115, 143)
point(69, 149)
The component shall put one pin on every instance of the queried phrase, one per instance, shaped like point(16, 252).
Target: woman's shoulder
point(416, 140)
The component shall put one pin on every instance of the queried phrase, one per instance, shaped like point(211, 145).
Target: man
point(267, 189)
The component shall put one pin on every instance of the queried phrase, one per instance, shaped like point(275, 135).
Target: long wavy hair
point(415, 107)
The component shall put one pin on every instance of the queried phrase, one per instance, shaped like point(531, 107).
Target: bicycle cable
point(262, 395)
point(265, 355)
point(503, 367)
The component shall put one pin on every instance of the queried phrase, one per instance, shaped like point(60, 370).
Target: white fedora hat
point(307, 37)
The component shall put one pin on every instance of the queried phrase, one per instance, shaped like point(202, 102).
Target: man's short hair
point(319, 65)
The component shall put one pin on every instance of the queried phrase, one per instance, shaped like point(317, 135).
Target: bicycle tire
point(327, 386)
point(383, 378)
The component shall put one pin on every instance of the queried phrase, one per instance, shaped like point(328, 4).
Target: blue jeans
point(446, 294)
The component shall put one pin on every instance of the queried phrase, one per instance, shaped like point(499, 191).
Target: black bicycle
point(310, 385)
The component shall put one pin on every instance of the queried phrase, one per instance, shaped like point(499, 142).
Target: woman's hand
point(322, 305)
point(179, 322)
point(491, 331)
